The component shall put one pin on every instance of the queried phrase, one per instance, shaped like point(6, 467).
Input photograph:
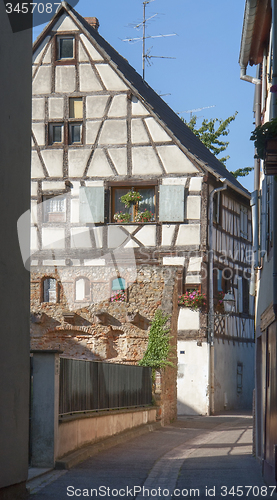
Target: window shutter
point(91, 204)
point(171, 207)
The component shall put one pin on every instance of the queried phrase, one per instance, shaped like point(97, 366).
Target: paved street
point(195, 457)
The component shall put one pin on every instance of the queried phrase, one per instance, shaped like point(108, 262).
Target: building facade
point(101, 266)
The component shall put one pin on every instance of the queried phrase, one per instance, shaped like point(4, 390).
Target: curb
point(75, 457)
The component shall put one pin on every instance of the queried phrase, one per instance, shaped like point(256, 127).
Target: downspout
point(274, 115)
point(211, 294)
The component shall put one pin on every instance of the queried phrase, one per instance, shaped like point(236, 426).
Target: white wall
point(192, 378)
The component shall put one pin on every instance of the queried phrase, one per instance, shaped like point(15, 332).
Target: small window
point(65, 48)
point(49, 290)
point(134, 211)
point(54, 208)
point(56, 133)
point(82, 289)
point(75, 133)
point(75, 107)
point(118, 290)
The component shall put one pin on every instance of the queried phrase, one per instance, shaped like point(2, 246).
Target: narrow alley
point(195, 457)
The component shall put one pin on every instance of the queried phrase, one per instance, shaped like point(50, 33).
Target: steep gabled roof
point(169, 118)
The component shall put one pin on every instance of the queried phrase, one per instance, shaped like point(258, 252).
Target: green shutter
point(91, 204)
point(171, 207)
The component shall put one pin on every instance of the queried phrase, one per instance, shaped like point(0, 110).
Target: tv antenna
point(195, 110)
point(146, 54)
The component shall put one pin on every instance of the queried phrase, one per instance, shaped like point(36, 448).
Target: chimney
point(93, 21)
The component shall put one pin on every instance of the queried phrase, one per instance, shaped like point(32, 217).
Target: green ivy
point(158, 343)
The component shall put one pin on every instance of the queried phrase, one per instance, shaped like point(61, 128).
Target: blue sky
point(205, 71)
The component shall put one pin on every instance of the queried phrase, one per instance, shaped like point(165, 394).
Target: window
point(75, 133)
point(217, 208)
point(49, 290)
point(244, 222)
point(56, 133)
point(147, 203)
point(65, 48)
point(75, 107)
point(118, 290)
point(82, 289)
point(54, 208)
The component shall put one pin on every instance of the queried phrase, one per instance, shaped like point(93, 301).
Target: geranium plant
point(219, 306)
point(131, 198)
point(145, 216)
point(260, 136)
point(193, 299)
point(118, 296)
point(122, 217)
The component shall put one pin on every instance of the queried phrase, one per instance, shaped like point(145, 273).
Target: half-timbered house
point(100, 268)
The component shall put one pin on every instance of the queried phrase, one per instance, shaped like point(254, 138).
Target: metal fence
point(90, 385)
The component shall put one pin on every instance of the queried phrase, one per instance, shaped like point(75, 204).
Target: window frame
point(51, 126)
point(48, 196)
point(42, 294)
point(69, 135)
point(65, 60)
point(137, 188)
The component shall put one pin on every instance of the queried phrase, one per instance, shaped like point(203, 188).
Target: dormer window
point(65, 48)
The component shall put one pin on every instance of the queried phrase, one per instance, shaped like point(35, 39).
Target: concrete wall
point(227, 356)
point(73, 434)
point(15, 124)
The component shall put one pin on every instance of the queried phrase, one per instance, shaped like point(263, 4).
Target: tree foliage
point(211, 132)
point(156, 354)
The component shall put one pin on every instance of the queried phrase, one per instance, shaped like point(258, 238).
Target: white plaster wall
point(110, 79)
point(145, 161)
point(157, 133)
point(80, 237)
point(92, 129)
point(227, 356)
point(39, 133)
point(99, 165)
point(55, 106)
point(195, 264)
point(38, 54)
point(118, 106)
point(167, 234)
point(53, 237)
point(65, 80)
point(137, 107)
point(173, 261)
point(114, 132)
point(77, 161)
point(38, 108)
point(36, 167)
point(96, 106)
point(174, 181)
point(91, 50)
point(147, 235)
point(192, 378)
point(65, 23)
point(53, 160)
point(119, 159)
point(42, 81)
point(138, 132)
point(195, 184)
point(188, 319)
point(193, 207)
point(88, 79)
point(174, 160)
point(189, 234)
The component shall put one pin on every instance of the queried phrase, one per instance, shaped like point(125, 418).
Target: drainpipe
point(211, 293)
point(274, 115)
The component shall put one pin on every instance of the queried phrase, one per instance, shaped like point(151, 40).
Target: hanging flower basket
point(118, 296)
point(219, 306)
point(120, 217)
point(131, 198)
point(145, 216)
point(194, 300)
point(265, 140)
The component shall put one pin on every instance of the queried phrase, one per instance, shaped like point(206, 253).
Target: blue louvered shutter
point(91, 204)
point(171, 205)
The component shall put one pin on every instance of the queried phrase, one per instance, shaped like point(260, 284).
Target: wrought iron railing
point(91, 385)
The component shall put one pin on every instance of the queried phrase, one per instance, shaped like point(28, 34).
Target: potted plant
point(118, 296)
point(120, 217)
point(265, 140)
point(145, 216)
point(219, 306)
point(131, 198)
point(193, 299)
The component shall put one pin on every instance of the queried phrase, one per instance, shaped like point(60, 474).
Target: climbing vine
point(156, 354)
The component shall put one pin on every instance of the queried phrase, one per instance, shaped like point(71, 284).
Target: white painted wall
point(192, 378)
